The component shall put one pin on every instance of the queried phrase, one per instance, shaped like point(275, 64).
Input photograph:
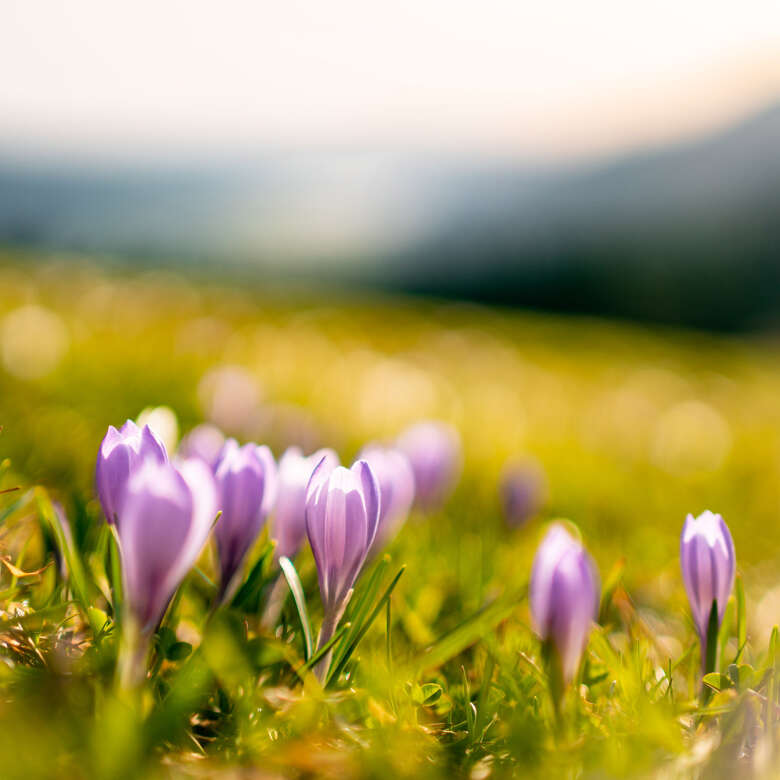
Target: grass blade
point(465, 634)
point(76, 573)
point(323, 651)
point(741, 619)
point(359, 608)
point(296, 589)
point(336, 667)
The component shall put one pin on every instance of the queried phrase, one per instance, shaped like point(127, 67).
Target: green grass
point(634, 428)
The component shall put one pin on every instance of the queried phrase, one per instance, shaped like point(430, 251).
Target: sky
point(552, 79)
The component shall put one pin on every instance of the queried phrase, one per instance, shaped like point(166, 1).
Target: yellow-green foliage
point(634, 427)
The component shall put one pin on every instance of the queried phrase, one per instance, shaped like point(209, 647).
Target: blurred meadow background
point(554, 226)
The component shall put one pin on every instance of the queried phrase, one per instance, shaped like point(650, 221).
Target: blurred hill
point(686, 234)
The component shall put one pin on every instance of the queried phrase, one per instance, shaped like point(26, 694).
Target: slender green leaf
point(336, 668)
point(741, 620)
point(296, 589)
point(712, 639)
point(325, 649)
point(610, 585)
point(8, 510)
point(465, 634)
point(76, 573)
point(247, 597)
point(771, 690)
point(359, 609)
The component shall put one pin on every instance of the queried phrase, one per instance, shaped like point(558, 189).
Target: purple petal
point(371, 499)
point(241, 476)
point(205, 442)
point(396, 489)
point(120, 453)
point(289, 522)
point(156, 519)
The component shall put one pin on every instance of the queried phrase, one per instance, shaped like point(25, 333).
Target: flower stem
point(329, 624)
point(133, 653)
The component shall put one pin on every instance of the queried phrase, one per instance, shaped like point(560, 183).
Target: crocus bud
point(204, 441)
point(289, 520)
point(121, 451)
point(523, 490)
point(342, 515)
point(163, 522)
point(433, 449)
point(708, 567)
point(396, 490)
point(564, 595)
point(246, 489)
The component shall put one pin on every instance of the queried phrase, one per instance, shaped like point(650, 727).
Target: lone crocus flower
point(396, 490)
point(246, 491)
point(434, 451)
point(162, 525)
point(289, 520)
point(121, 451)
point(204, 441)
point(564, 599)
point(708, 567)
point(523, 491)
point(342, 515)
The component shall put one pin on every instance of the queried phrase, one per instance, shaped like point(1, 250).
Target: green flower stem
point(329, 625)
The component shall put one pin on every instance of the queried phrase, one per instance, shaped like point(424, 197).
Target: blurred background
point(295, 221)
point(554, 226)
point(607, 158)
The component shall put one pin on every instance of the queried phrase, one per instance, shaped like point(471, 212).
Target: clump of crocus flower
point(434, 452)
point(396, 490)
point(289, 519)
point(163, 521)
point(523, 491)
point(120, 453)
point(708, 567)
point(564, 596)
point(246, 491)
point(288, 527)
point(342, 515)
point(204, 441)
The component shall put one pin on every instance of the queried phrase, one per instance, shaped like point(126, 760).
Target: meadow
point(443, 675)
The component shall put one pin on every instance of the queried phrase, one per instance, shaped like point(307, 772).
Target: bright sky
point(524, 77)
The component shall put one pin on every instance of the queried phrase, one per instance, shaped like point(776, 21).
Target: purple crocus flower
point(342, 515)
point(289, 520)
point(121, 451)
point(246, 490)
point(523, 491)
point(204, 441)
point(564, 597)
point(708, 567)
point(396, 489)
point(433, 449)
point(163, 522)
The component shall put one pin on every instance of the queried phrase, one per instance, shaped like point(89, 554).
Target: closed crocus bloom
point(289, 520)
point(342, 515)
point(246, 489)
point(433, 449)
point(708, 567)
point(121, 451)
point(523, 491)
point(164, 520)
point(205, 442)
point(396, 489)
point(564, 597)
